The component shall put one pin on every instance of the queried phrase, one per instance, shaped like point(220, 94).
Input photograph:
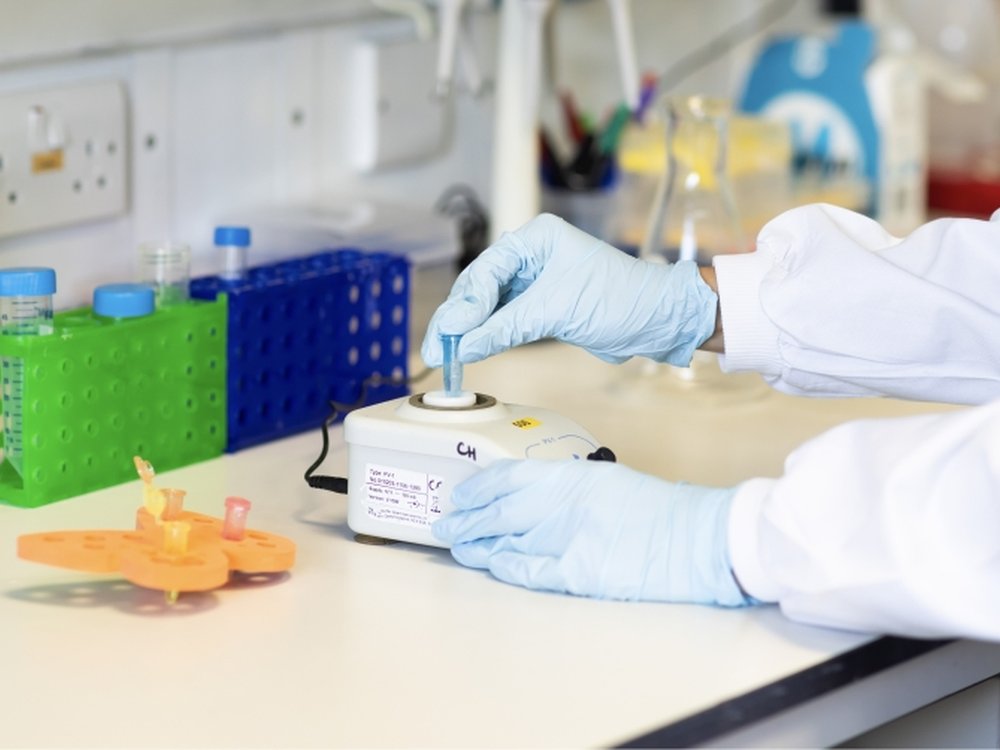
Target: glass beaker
point(694, 216)
point(25, 310)
point(166, 266)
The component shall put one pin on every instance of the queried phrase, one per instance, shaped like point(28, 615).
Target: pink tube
point(234, 524)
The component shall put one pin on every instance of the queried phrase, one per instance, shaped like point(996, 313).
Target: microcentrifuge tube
point(175, 542)
point(452, 367)
point(173, 503)
point(175, 537)
point(234, 524)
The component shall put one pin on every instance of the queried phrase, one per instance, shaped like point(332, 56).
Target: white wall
point(239, 103)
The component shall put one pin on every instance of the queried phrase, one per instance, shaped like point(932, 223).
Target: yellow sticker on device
point(526, 423)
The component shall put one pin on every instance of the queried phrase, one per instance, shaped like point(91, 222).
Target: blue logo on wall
point(817, 86)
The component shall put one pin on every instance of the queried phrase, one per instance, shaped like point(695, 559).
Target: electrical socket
point(63, 156)
point(397, 116)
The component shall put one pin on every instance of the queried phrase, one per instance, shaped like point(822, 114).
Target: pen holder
point(593, 211)
point(98, 392)
point(305, 332)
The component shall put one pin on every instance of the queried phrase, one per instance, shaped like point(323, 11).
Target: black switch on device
point(602, 454)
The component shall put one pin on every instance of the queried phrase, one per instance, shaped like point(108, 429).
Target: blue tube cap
point(124, 300)
point(27, 282)
point(238, 236)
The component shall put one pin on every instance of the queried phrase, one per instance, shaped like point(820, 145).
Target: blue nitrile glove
point(549, 279)
point(596, 529)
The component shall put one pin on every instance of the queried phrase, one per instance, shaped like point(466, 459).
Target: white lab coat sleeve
point(887, 526)
point(830, 304)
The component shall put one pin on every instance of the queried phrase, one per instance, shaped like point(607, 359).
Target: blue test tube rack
point(308, 331)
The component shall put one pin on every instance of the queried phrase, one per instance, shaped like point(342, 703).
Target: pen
point(574, 125)
point(612, 132)
point(553, 173)
point(647, 91)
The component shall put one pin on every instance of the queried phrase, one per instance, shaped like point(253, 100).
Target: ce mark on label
point(434, 484)
point(466, 450)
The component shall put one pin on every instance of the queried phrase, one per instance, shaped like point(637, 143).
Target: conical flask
point(693, 216)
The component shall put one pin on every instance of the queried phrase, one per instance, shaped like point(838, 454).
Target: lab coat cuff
point(751, 339)
point(744, 540)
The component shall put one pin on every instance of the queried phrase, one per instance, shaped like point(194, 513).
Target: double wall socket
point(63, 156)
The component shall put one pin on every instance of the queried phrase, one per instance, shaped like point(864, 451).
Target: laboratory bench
point(396, 645)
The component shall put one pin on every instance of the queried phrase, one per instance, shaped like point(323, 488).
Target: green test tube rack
point(98, 392)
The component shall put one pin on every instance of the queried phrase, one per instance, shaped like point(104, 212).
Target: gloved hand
point(549, 279)
point(596, 529)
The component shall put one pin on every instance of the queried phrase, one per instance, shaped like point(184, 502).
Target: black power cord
point(338, 409)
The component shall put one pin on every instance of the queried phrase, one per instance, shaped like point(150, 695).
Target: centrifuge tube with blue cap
point(233, 243)
point(25, 310)
point(452, 397)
